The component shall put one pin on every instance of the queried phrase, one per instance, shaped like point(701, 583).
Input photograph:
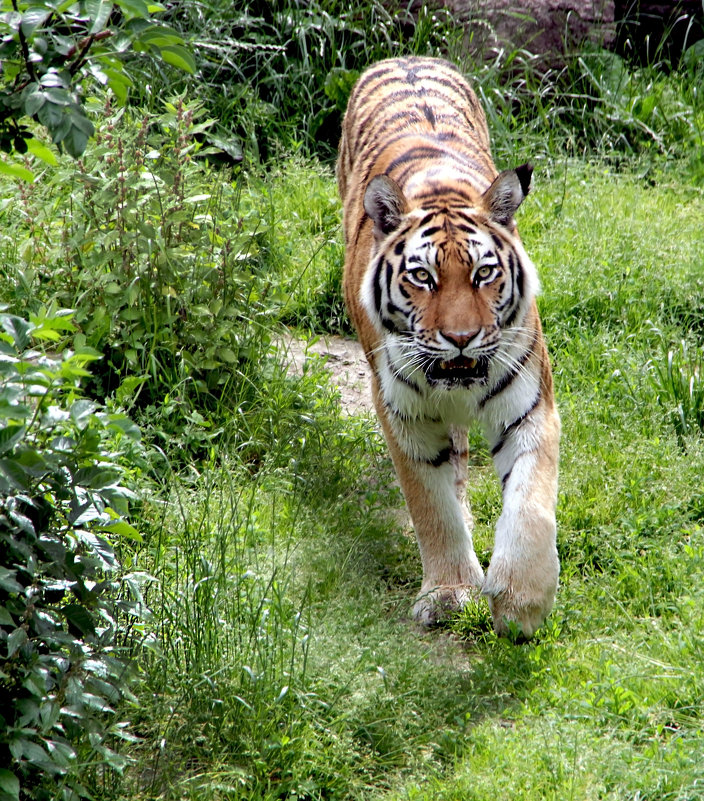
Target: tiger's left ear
point(506, 193)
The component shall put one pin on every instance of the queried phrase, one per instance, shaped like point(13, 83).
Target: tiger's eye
point(484, 272)
point(421, 275)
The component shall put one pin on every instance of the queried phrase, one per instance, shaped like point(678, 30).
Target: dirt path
point(345, 362)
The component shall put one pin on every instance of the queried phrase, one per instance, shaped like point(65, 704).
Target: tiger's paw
point(435, 606)
point(519, 621)
point(519, 607)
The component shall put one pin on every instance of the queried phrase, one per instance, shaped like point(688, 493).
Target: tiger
point(442, 296)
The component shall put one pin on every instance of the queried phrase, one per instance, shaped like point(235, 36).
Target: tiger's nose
point(459, 338)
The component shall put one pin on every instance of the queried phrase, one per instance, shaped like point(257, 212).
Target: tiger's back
point(412, 108)
point(442, 295)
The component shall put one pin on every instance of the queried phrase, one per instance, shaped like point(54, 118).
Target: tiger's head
point(445, 282)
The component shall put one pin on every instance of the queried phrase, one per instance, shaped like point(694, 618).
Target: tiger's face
point(445, 287)
point(442, 288)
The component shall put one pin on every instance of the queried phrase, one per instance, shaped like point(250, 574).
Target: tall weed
point(677, 375)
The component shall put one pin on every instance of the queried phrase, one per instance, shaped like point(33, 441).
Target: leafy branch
point(51, 51)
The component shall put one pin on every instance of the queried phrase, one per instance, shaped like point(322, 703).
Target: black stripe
point(406, 381)
point(377, 286)
point(517, 275)
point(433, 191)
point(378, 121)
point(512, 426)
point(471, 168)
point(499, 445)
point(519, 279)
point(379, 71)
point(508, 378)
point(421, 152)
point(442, 458)
point(407, 418)
point(389, 277)
point(432, 230)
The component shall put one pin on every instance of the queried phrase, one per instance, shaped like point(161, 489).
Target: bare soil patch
point(344, 359)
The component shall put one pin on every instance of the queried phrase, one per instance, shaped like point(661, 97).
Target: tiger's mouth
point(462, 370)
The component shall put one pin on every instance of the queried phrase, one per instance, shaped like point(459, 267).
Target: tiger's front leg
point(521, 581)
point(431, 463)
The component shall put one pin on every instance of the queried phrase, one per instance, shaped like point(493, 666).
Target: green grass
point(287, 664)
point(280, 661)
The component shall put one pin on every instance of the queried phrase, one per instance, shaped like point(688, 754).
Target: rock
point(550, 30)
point(547, 29)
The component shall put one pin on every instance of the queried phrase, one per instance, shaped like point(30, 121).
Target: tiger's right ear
point(385, 204)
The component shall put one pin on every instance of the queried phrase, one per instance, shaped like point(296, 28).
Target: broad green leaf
point(16, 171)
point(18, 329)
point(62, 753)
point(124, 425)
point(95, 477)
point(50, 115)
point(22, 522)
point(99, 12)
point(79, 618)
point(81, 411)
point(34, 753)
point(8, 581)
point(15, 641)
point(179, 56)
point(82, 122)
point(32, 18)
point(129, 386)
point(46, 326)
point(15, 475)
point(122, 529)
point(75, 142)
point(227, 355)
point(41, 151)
point(10, 436)
point(9, 785)
point(159, 36)
point(33, 98)
point(112, 758)
point(14, 411)
point(119, 82)
point(135, 8)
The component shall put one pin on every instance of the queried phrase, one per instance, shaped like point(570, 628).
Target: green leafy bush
point(49, 50)
point(179, 271)
point(158, 258)
point(62, 504)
